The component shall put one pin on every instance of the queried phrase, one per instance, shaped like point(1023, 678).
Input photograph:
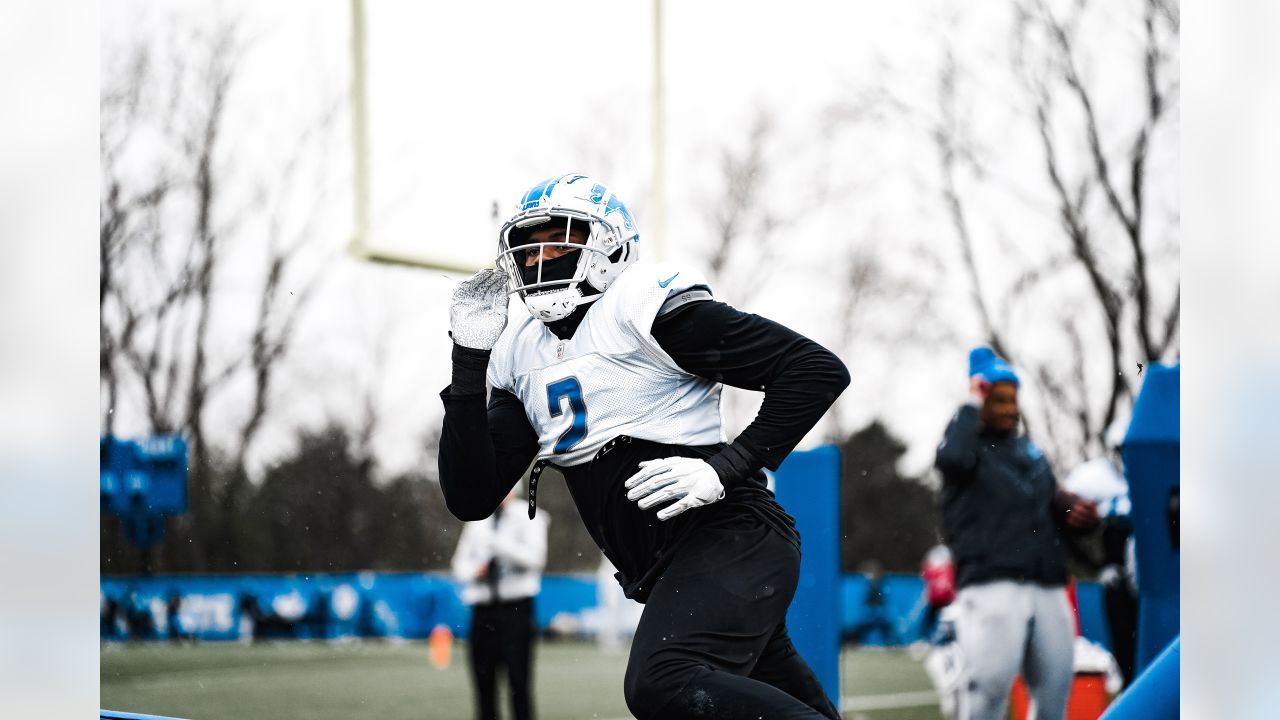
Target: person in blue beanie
point(1004, 518)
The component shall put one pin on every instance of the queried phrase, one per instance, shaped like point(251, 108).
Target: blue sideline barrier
point(808, 485)
point(409, 605)
point(1152, 467)
point(1156, 693)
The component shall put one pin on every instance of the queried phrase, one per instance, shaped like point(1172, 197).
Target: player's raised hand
point(690, 482)
point(478, 310)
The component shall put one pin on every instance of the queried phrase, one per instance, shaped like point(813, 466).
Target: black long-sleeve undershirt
point(799, 377)
point(485, 450)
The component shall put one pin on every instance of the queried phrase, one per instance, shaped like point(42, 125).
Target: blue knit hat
point(983, 361)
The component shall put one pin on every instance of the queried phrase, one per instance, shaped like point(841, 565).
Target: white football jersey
point(611, 378)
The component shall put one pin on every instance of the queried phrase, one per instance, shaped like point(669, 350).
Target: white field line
point(888, 701)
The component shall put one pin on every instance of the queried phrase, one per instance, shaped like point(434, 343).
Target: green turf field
point(295, 680)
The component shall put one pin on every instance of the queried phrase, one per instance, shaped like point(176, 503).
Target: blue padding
point(1151, 459)
point(1155, 694)
point(1156, 416)
point(1091, 600)
point(897, 622)
point(564, 594)
point(117, 715)
point(808, 486)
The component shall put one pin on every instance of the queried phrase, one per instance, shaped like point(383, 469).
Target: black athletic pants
point(502, 635)
point(713, 643)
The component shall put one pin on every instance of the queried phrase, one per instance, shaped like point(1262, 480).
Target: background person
point(1101, 481)
point(500, 561)
point(1003, 515)
point(139, 622)
point(173, 616)
point(939, 574)
point(109, 618)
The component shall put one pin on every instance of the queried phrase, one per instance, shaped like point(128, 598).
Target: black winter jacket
point(998, 508)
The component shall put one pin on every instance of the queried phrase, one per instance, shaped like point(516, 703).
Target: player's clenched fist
point(689, 481)
point(478, 310)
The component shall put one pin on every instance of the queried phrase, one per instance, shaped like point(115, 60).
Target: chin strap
point(580, 302)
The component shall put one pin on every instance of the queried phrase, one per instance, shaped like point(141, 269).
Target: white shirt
point(611, 377)
point(515, 544)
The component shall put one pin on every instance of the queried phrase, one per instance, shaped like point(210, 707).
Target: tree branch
point(1170, 325)
point(945, 142)
point(1078, 234)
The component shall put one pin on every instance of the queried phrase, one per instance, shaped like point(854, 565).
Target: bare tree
point(750, 231)
point(1097, 178)
point(953, 150)
point(880, 300)
point(1126, 203)
point(168, 221)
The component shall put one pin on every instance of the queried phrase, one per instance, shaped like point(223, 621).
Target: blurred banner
point(410, 605)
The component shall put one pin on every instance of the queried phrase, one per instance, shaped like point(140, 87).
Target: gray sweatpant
point(1006, 627)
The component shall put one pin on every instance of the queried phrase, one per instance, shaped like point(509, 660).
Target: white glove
point(478, 310)
point(689, 481)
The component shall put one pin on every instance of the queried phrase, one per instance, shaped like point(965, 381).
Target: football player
point(615, 378)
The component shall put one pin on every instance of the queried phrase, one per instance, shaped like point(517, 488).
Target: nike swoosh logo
point(664, 283)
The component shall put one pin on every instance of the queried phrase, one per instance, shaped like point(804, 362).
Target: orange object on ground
point(1088, 699)
point(441, 643)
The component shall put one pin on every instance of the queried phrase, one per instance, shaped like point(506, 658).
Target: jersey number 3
point(568, 388)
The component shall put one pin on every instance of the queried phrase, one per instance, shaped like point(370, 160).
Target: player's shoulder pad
point(647, 290)
point(675, 283)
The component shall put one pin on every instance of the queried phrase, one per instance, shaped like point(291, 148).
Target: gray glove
point(478, 310)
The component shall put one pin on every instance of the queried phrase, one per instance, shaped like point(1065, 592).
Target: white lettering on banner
point(345, 600)
point(207, 613)
point(290, 607)
point(388, 618)
point(159, 614)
